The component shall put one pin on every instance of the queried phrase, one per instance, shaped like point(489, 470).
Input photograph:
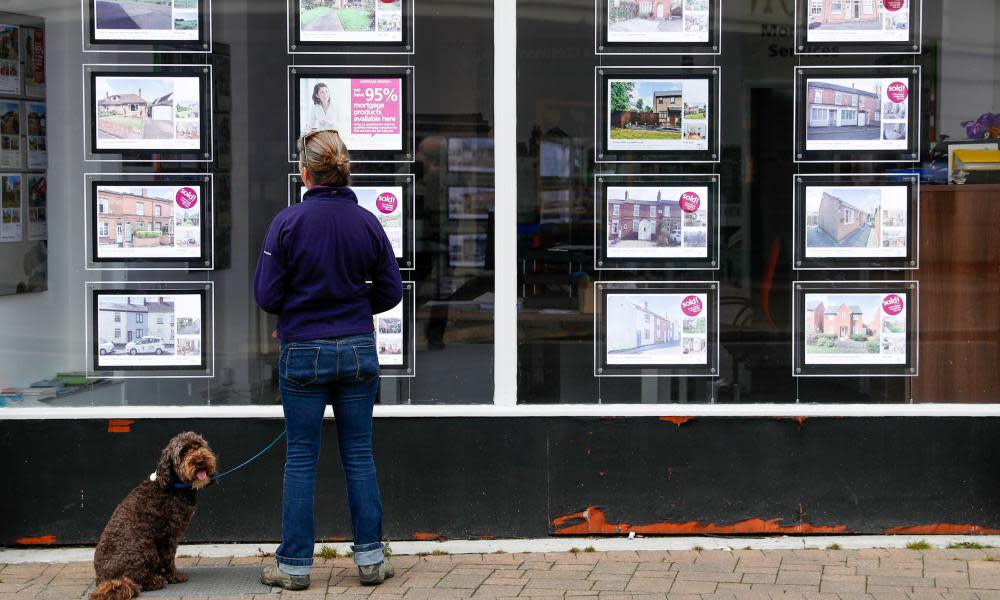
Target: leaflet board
point(855, 328)
point(644, 329)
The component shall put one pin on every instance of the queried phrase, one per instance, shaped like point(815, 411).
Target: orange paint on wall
point(941, 529)
point(120, 425)
point(42, 540)
point(678, 421)
point(593, 520)
point(423, 536)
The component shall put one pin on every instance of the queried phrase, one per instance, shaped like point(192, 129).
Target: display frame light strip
point(912, 45)
point(407, 151)
point(204, 152)
point(295, 45)
point(802, 262)
point(204, 262)
point(205, 290)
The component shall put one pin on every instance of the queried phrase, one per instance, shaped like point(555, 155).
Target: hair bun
point(324, 156)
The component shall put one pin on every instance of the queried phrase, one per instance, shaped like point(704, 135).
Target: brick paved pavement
point(876, 574)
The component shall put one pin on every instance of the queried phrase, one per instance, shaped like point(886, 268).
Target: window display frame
point(603, 262)
point(602, 77)
point(912, 74)
point(204, 289)
point(602, 45)
point(913, 45)
point(204, 153)
point(601, 291)
point(296, 45)
point(912, 311)
point(21, 136)
point(90, 43)
point(406, 181)
point(407, 152)
point(204, 262)
point(802, 262)
point(409, 368)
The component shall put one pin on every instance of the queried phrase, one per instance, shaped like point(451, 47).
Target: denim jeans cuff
point(295, 569)
point(368, 554)
point(295, 562)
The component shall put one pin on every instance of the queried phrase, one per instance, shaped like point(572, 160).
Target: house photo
point(337, 15)
point(141, 217)
point(843, 109)
point(893, 131)
point(845, 14)
point(122, 320)
point(652, 329)
point(843, 217)
point(646, 110)
point(135, 109)
point(645, 16)
point(643, 217)
point(842, 323)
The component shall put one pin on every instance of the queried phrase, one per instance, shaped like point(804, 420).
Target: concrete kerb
point(61, 555)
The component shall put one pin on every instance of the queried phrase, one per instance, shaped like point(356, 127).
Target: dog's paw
point(177, 577)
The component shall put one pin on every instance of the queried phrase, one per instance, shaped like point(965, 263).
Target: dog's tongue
point(201, 475)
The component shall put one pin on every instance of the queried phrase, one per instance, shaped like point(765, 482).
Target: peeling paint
point(941, 529)
point(334, 538)
point(42, 540)
point(593, 520)
point(423, 536)
point(678, 421)
point(120, 425)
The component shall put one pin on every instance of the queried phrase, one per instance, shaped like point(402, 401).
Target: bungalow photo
point(658, 114)
point(389, 336)
point(659, 329)
point(657, 21)
point(648, 222)
point(148, 222)
point(845, 329)
point(351, 20)
point(151, 20)
point(386, 203)
point(136, 331)
point(858, 21)
point(848, 114)
point(151, 113)
point(855, 221)
point(367, 113)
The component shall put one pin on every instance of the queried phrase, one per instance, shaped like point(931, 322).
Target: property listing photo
point(147, 113)
point(389, 339)
point(350, 20)
point(656, 222)
point(147, 222)
point(140, 331)
point(657, 21)
point(10, 134)
point(852, 329)
point(661, 329)
point(857, 20)
point(857, 113)
point(658, 114)
point(856, 221)
point(145, 20)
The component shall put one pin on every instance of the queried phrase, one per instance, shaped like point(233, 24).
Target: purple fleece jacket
point(316, 260)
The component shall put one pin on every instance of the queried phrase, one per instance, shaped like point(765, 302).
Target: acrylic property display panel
point(11, 151)
point(10, 59)
point(855, 114)
point(12, 187)
point(153, 330)
point(144, 111)
point(370, 107)
point(161, 222)
point(390, 199)
point(394, 339)
point(658, 26)
point(360, 26)
point(147, 25)
point(855, 328)
point(656, 222)
point(656, 329)
point(657, 114)
point(858, 27)
point(856, 222)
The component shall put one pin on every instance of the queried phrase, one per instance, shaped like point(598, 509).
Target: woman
point(321, 115)
point(312, 273)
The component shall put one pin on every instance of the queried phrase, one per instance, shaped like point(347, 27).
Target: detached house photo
point(836, 324)
point(843, 218)
point(134, 109)
point(643, 217)
point(844, 109)
point(646, 109)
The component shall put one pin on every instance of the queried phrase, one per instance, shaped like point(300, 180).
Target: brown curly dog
point(136, 550)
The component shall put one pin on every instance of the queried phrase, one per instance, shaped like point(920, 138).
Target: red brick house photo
point(843, 103)
point(124, 212)
point(855, 14)
point(637, 221)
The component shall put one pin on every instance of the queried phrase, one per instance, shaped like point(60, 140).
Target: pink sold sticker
point(386, 202)
point(893, 5)
point(187, 197)
point(897, 91)
point(690, 202)
point(691, 306)
point(892, 304)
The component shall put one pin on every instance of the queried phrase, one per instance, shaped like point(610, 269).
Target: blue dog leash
point(181, 486)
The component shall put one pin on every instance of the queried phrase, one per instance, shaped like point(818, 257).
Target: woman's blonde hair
point(324, 156)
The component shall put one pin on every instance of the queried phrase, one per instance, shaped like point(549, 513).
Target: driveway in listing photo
point(845, 133)
point(142, 14)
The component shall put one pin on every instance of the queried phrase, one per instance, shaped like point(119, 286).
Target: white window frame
point(504, 403)
point(636, 210)
point(818, 96)
point(140, 208)
point(816, 7)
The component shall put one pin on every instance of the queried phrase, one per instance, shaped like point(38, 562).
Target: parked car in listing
point(106, 348)
point(146, 345)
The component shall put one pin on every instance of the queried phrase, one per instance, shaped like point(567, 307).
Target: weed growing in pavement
point(589, 549)
point(439, 553)
point(833, 547)
point(697, 549)
point(574, 549)
point(921, 545)
point(967, 546)
point(327, 552)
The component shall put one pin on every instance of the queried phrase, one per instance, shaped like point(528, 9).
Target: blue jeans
point(343, 372)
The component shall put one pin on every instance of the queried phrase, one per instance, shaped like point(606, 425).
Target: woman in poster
point(322, 114)
point(326, 325)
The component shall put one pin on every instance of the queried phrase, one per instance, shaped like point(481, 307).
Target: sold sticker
point(187, 197)
point(893, 5)
point(892, 304)
point(386, 202)
point(690, 202)
point(691, 306)
point(897, 91)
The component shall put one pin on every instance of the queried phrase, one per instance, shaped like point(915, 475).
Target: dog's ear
point(165, 468)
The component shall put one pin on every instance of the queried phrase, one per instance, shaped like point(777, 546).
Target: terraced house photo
point(651, 328)
point(844, 109)
point(858, 20)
